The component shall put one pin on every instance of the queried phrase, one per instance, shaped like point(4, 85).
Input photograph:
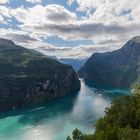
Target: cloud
point(86, 30)
point(34, 1)
point(39, 15)
point(18, 36)
point(1, 19)
point(4, 11)
point(20, 14)
point(70, 2)
point(109, 11)
point(85, 5)
point(4, 1)
point(55, 20)
point(57, 13)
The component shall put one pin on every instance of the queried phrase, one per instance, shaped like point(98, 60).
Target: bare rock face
point(28, 77)
point(120, 68)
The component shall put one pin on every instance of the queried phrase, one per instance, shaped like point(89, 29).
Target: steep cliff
point(120, 68)
point(28, 77)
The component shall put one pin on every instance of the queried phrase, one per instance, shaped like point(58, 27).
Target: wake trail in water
point(35, 109)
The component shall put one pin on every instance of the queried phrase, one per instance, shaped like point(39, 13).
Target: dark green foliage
point(78, 135)
point(69, 138)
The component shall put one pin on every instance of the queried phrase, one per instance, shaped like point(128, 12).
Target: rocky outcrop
point(28, 77)
point(120, 68)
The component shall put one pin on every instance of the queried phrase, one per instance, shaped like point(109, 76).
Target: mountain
point(28, 77)
point(120, 68)
point(75, 63)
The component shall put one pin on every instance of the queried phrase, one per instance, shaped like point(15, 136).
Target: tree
point(69, 138)
point(77, 134)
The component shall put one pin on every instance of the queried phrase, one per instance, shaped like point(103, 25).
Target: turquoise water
point(56, 119)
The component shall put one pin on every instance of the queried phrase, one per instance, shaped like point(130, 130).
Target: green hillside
point(28, 77)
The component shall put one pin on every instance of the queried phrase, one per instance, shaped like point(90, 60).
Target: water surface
point(56, 120)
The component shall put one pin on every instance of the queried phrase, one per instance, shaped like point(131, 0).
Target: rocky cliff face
point(28, 77)
point(120, 68)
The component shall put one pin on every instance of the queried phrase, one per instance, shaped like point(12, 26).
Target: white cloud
point(34, 1)
point(20, 14)
point(57, 13)
point(39, 15)
point(108, 20)
point(4, 1)
point(70, 2)
point(18, 36)
point(110, 11)
point(87, 30)
point(85, 5)
point(4, 11)
point(1, 19)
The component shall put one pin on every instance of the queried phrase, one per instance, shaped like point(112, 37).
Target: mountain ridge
point(119, 68)
point(28, 77)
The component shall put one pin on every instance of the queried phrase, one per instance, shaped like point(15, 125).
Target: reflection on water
point(56, 119)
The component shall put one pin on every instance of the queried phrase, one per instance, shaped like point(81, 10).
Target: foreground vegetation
point(121, 122)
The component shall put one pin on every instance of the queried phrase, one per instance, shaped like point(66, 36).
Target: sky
point(70, 28)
